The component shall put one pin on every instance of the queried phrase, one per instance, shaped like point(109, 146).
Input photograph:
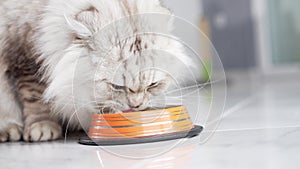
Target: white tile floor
point(260, 129)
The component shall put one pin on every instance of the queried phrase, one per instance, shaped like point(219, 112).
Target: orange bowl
point(140, 124)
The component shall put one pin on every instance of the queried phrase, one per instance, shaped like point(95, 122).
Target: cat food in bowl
point(141, 127)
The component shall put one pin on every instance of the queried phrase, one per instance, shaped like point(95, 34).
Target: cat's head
point(132, 82)
point(125, 54)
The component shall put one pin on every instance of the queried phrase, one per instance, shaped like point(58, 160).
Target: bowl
point(168, 123)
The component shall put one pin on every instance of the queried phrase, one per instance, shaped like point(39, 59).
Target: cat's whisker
point(202, 85)
point(192, 92)
point(109, 102)
point(195, 88)
point(106, 104)
point(170, 101)
point(102, 101)
point(187, 95)
point(186, 87)
point(184, 98)
point(164, 104)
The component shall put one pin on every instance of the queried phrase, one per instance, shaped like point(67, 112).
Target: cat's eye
point(130, 90)
point(153, 85)
point(117, 87)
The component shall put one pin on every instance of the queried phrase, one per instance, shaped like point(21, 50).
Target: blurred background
point(254, 38)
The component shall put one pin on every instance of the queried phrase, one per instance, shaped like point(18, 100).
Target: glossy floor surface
point(260, 128)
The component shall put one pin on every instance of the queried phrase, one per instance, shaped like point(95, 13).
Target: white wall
point(187, 9)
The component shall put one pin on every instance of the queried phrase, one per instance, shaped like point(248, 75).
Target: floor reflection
point(163, 155)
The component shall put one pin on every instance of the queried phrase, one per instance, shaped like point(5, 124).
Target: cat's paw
point(42, 131)
point(12, 132)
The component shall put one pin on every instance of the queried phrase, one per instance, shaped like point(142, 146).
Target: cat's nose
point(135, 106)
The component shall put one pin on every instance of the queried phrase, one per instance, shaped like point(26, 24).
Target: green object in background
point(206, 71)
point(205, 50)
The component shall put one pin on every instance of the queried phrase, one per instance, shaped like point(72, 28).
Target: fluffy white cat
point(65, 59)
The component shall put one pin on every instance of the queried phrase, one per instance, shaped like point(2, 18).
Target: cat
point(62, 60)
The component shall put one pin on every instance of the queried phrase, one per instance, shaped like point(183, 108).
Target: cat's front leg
point(38, 124)
point(11, 124)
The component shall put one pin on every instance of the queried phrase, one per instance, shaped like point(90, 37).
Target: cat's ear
point(84, 23)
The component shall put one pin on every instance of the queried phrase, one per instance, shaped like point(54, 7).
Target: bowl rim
point(167, 109)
